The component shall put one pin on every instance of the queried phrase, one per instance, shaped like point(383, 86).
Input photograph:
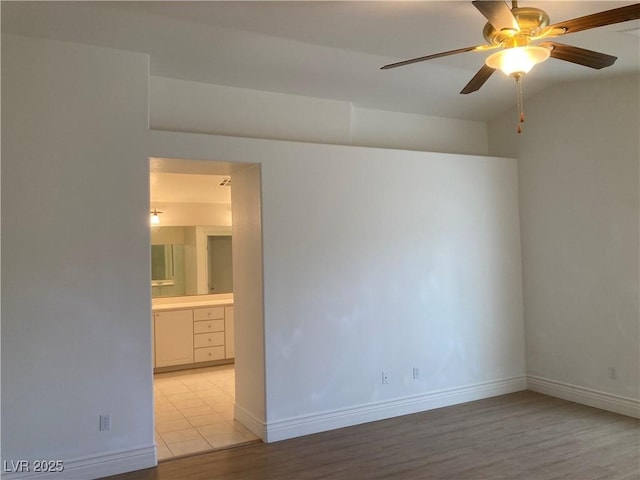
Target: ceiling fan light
point(517, 60)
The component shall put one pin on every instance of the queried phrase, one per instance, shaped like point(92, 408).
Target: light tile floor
point(194, 411)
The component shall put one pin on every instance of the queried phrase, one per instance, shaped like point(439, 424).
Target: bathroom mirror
point(162, 266)
point(191, 261)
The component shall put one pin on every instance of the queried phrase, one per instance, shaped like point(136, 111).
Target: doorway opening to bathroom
point(194, 256)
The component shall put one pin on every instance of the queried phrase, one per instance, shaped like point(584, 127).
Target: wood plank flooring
point(524, 435)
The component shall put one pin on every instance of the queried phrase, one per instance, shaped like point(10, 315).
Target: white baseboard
point(89, 467)
point(585, 396)
point(305, 425)
point(256, 426)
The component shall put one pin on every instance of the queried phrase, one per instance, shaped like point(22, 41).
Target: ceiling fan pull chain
point(520, 103)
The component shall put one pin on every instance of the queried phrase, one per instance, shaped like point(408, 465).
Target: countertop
point(173, 303)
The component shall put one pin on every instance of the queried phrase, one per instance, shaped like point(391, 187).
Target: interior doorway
point(196, 404)
point(220, 263)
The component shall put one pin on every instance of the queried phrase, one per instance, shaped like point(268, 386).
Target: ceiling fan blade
point(600, 19)
point(478, 79)
point(581, 56)
point(498, 13)
point(435, 55)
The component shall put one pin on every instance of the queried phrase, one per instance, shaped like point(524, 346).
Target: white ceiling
point(328, 50)
point(188, 188)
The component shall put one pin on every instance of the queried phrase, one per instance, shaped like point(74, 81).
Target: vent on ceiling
point(225, 182)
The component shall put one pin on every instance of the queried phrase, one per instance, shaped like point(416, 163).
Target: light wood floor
point(523, 435)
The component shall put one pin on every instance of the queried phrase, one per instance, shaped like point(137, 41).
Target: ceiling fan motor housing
point(531, 21)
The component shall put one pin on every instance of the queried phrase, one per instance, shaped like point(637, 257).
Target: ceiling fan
point(514, 30)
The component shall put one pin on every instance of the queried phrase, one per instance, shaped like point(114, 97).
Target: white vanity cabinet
point(187, 336)
point(173, 332)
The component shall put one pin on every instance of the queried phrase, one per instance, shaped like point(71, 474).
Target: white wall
point(378, 128)
point(412, 261)
point(190, 260)
point(75, 257)
point(377, 259)
point(185, 106)
point(578, 169)
point(167, 235)
point(250, 399)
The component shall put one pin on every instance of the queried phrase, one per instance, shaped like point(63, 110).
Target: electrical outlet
point(105, 422)
point(385, 377)
point(416, 373)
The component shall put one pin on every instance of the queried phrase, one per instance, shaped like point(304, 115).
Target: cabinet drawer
point(209, 353)
point(208, 339)
point(208, 313)
point(207, 327)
